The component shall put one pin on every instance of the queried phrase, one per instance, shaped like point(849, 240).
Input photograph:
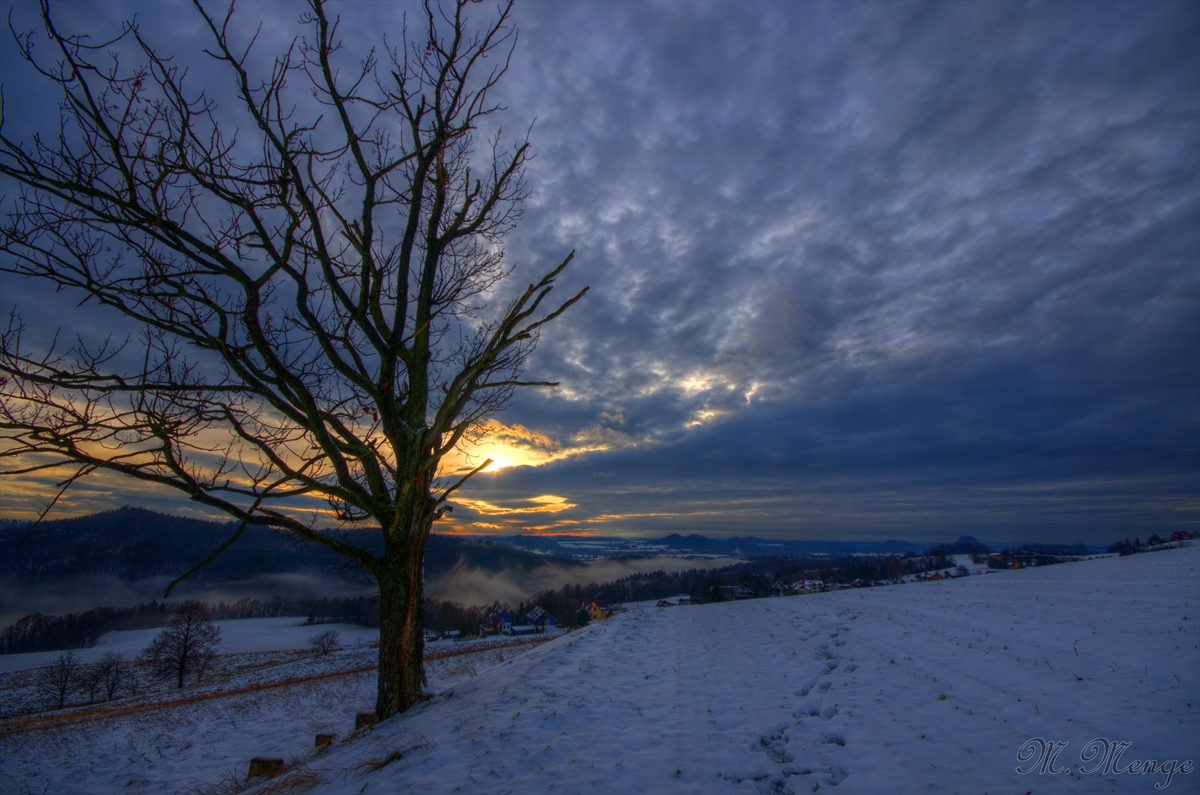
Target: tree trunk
point(402, 624)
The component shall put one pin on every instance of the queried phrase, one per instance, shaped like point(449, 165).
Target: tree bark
point(402, 623)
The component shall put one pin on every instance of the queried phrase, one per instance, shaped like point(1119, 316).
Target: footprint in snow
point(833, 738)
point(852, 667)
point(829, 666)
point(824, 686)
point(809, 709)
point(774, 745)
point(807, 686)
point(834, 775)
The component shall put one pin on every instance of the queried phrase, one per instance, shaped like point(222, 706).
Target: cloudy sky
point(867, 271)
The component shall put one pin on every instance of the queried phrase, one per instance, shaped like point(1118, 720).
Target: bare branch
point(304, 255)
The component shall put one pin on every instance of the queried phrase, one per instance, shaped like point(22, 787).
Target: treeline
point(756, 576)
point(1062, 550)
point(362, 610)
point(1154, 542)
point(37, 632)
point(843, 569)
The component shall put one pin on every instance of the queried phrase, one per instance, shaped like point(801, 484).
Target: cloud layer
point(857, 270)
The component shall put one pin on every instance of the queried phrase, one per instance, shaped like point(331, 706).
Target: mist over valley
point(129, 556)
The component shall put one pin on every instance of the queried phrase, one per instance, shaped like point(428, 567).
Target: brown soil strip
point(106, 711)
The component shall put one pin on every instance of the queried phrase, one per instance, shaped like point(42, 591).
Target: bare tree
point(309, 262)
point(58, 679)
point(106, 676)
point(114, 673)
point(326, 642)
point(186, 646)
point(90, 681)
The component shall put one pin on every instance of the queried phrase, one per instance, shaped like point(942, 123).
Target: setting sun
point(498, 462)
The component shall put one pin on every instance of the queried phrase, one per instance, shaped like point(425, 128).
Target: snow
point(260, 703)
point(239, 635)
point(839, 691)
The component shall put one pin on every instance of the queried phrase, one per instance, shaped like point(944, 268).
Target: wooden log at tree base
point(365, 720)
point(324, 740)
point(261, 766)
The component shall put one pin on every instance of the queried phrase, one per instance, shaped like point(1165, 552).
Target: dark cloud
point(869, 270)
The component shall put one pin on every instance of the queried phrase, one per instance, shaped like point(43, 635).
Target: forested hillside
point(134, 543)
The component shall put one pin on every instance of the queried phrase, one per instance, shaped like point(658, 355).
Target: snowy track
point(840, 690)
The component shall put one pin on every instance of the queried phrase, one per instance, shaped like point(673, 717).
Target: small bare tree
point(308, 261)
point(90, 681)
point(186, 646)
point(60, 678)
point(326, 642)
point(114, 673)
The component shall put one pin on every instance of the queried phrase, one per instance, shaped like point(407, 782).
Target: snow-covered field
point(267, 694)
point(246, 635)
point(934, 687)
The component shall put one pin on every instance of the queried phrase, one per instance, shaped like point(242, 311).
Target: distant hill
point(701, 546)
point(135, 543)
point(694, 545)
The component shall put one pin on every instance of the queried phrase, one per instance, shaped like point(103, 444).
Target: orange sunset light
point(516, 445)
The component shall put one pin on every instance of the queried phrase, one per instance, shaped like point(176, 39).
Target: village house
point(597, 609)
point(735, 592)
point(540, 619)
point(519, 629)
point(496, 622)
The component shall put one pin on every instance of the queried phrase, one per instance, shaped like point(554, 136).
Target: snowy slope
point(835, 692)
point(200, 739)
point(830, 691)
